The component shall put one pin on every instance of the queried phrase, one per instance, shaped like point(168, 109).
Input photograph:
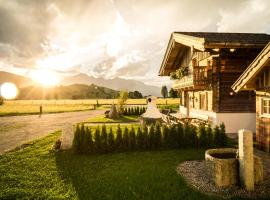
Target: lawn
point(121, 119)
point(36, 172)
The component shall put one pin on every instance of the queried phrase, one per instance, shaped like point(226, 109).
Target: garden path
point(16, 130)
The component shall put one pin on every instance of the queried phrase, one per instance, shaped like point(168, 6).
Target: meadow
point(37, 172)
point(23, 107)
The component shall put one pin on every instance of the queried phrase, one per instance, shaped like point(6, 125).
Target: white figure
point(152, 110)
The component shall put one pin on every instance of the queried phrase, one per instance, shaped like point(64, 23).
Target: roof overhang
point(253, 69)
point(177, 46)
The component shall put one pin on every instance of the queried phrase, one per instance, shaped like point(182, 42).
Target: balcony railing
point(199, 79)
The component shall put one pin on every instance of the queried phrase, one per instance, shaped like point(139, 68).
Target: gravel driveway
point(15, 130)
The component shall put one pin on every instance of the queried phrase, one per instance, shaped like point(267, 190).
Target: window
point(203, 101)
point(266, 106)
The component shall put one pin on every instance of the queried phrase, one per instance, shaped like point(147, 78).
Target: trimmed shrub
point(209, 135)
point(158, 138)
point(165, 133)
point(88, 145)
point(172, 137)
point(180, 136)
point(125, 139)
point(76, 140)
point(223, 136)
point(217, 138)
point(140, 139)
point(111, 142)
point(104, 138)
point(145, 137)
point(119, 139)
point(203, 141)
point(132, 139)
point(152, 137)
point(97, 141)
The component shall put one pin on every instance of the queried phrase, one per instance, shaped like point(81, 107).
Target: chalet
point(257, 78)
point(204, 66)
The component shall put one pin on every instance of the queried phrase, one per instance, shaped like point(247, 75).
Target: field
point(21, 107)
point(37, 172)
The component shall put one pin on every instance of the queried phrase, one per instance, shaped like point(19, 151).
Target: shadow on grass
point(133, 175)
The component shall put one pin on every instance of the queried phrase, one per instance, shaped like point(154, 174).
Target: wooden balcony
point(198, 80)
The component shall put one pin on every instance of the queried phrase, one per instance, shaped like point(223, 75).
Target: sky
point(112, 38)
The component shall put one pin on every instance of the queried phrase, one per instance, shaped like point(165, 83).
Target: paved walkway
point(15, 130)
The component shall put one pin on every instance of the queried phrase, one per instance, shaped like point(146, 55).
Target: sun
point(45, 77)
point(8, 90)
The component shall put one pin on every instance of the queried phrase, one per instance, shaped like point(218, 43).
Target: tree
point(152, 137)
point(104, 138)
point(140, 139)
point(158, 138)
point(132, 138)
point(119, 138)
point(123, 96)
point(97, 140)
point(164, 91)
point(76, 140)
point(88, 141)
point(223, 136)
point(173, 93)
point(125, 139)
point(1, 101)
point(111, 142)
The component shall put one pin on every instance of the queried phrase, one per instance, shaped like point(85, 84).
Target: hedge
point(154, 137)
point(138, 110)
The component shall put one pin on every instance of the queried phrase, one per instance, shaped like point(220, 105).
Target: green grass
point(121, 119)
point(36, 172)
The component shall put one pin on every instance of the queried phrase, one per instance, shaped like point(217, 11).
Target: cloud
point(112, 38)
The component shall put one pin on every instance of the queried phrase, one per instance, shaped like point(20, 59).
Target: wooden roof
point(179, 41)
point(253, 69)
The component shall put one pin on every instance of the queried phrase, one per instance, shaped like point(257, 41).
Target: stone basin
point(222, 166)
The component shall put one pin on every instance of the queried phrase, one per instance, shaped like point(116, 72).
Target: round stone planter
point(222, 166)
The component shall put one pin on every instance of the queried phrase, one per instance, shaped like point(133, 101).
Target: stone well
point(222, 166)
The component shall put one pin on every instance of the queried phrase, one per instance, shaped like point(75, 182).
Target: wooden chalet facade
point(257, 78)
point(208, 64)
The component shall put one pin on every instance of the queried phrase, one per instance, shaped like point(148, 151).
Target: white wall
point(233, 121)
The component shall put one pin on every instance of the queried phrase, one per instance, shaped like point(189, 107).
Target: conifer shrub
point(87, 145)
point(165, 134)
point(119, 138)
point(140, 139)
point(180, 136)
point(203, 141)
point(76, 140)
point(217, 138)
point(125, 139)
point(97, 141)
point(151, 137)
point(132, 139)
point(104, 139)
point(223, 136)
point(145, 137)
point(111, 141)
point(209, 135)
point(158, 137)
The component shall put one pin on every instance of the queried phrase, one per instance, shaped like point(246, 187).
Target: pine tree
point(82, 138)
point(158, 138)
point(104, 138)
point(125, 139)
point(152, 137)
point(180, 136)
point(209, 135)
point(97, 141)
point(140, 139)
point(165, 133)
point(88, 142)
point(172, 137)
point(132, 139)
point(216, 134)
point(111, 142)
point(129, 111)
point(145, 137)
point(76, 140)
point(119, 139)
point(202, 136)
point(223, 136)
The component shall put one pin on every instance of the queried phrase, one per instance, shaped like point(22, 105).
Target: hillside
point(20, 81)
point(115, 84)
point(75, 91)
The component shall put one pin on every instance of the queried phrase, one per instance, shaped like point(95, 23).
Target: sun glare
point(8, 90)
point(45, 77)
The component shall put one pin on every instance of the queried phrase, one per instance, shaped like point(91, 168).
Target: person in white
point(152, 110)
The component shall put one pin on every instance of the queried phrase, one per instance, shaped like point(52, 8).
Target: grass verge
point(36, 172)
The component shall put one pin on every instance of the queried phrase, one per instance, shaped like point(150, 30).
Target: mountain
point(20, 81)
point(75, 91)
point(116, 84)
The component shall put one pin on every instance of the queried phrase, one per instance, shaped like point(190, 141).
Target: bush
point(154, 137)
point(1, 101)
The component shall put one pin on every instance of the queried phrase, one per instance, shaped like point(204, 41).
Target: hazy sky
point(110, 38)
